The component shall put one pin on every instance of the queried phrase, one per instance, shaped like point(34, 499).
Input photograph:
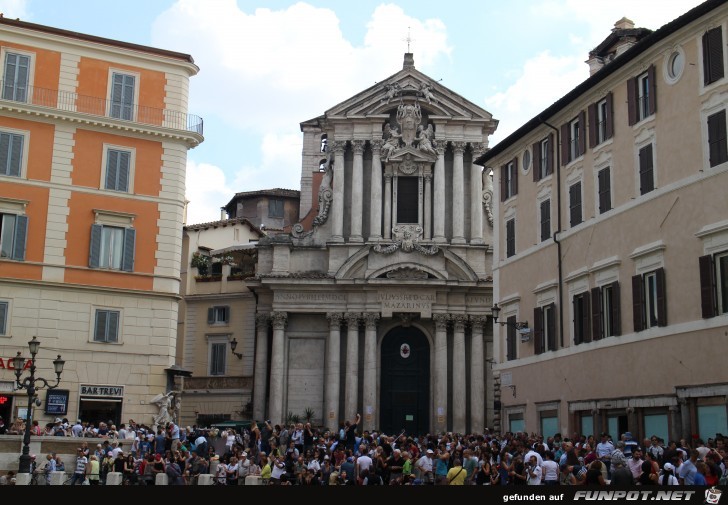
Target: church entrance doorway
point(405, 382)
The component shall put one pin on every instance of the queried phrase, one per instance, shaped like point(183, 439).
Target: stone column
point(337, 212)
point(375, 206)
point(352, 365)
point(439, 194)
point(333, 371)
point(476, 197)
point(387, 206)
point(261, 366)
point(370, 416)
point(440, 379)
point(477, 375)
point(428, 208)
point(277, 367)
point(489, 375)
point(459, 391)
point(458, 194)
point(357, 191)
point(675, 422)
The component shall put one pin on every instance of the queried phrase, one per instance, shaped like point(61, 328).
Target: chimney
point(223, 214)
point(409, 61)
point(623, 24)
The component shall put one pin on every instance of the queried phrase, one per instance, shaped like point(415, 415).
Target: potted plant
point(308, 414)
point(201, 262)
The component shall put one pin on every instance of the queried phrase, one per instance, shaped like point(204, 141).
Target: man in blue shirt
point(688, 470)
point(159, 442)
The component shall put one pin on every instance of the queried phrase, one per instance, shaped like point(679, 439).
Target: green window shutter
point(112, 324)
point(211, 315)
point(94, 255)
point(100, 326)
point(123, 171)
point(21, 236)
point(3, 317)
point(127, 257)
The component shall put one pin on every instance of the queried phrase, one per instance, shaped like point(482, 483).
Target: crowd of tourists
point(299, 454)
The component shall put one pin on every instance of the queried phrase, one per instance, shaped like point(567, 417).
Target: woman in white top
point(230, 440)
point(667, 477)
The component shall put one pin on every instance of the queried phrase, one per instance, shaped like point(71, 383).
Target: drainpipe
point(557, 169)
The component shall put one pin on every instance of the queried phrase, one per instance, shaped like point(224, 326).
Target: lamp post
point(233, 346)
point(32, 384)
point(520, 326)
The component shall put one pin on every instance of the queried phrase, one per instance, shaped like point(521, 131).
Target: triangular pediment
point(411, 154)
point(409, 85)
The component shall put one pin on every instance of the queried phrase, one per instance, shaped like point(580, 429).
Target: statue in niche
point(409, 117)
point(392, 140)
point(425, 139)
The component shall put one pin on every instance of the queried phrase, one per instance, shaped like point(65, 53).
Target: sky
point(267, 66)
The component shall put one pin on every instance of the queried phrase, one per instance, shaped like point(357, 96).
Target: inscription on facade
point(481, 300)
point(309, 297)
point(406, 302)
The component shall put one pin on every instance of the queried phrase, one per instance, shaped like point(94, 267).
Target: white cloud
point(544, 79)
point(280, 165)
point(14, 9)
point(207, 191)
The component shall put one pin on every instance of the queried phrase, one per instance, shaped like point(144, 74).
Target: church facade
point(378, 301)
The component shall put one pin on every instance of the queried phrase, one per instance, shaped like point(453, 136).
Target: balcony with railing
point(100, 107)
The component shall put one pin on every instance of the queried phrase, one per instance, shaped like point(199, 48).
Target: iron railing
point(115, 109)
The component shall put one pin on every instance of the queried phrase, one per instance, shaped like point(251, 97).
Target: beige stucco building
point(214, 380)
point(612, 242)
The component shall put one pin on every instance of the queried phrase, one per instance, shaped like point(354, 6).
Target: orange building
point(94, 136)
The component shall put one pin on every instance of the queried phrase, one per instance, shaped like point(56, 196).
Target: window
point(112, 247)
point(324, 143)
point(4, 317)
point(604, 182)
point(675, 65)
point(218, 315)
point(510, 238)
point(544, 330)
point(13, 236)
point(11, 154)
point(605, 311)
point(17, 71)
point(647, 173)
point(600, 121)
point(575, 214)
point(516, 424)
point(509, 179)
point(642, 96)
point(106, 326)
point(573, 141)
point(218, 353)
point(582, 330)
point(275, 208)
point(717, 142)
point(526, 160)
point(545, 209)
point(408, 200)
point(713, 55)
point(511, 338)
point(122, 96)
point(714, 284)
point(549, 423)
point(649, 301)
point(543, 158)
point(117, 170)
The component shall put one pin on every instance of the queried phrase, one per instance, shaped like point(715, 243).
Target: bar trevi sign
point(105, 391)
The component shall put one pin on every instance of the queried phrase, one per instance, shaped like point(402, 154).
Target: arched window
point(324, 142)
point(322, 165)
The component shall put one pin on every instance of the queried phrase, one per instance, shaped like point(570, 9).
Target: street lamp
point(233, 346)
point(32, 385)
point(520, 326)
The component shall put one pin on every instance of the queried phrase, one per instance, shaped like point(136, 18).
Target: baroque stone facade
point(377, 302)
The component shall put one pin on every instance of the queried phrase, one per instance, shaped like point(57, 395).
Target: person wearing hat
point(423, 467)
point(667, 477)
point(243, 468)
point(79, 474)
